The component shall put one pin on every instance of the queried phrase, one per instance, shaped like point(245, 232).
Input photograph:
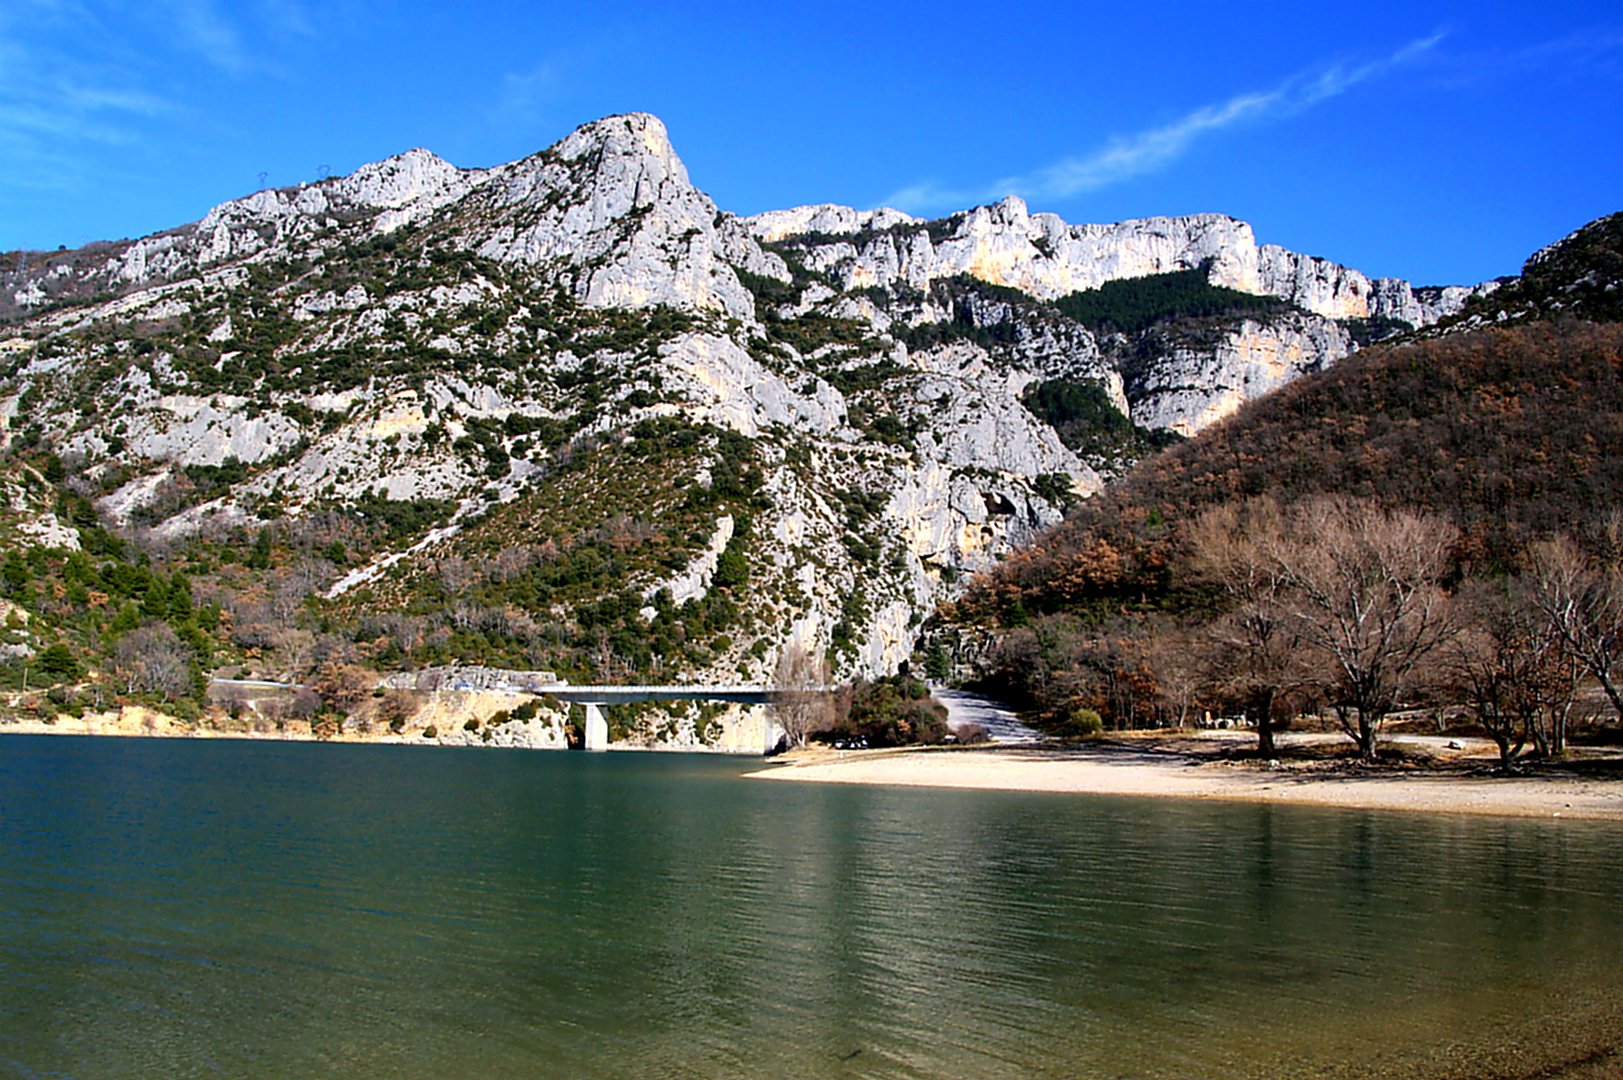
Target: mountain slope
point(566, 414)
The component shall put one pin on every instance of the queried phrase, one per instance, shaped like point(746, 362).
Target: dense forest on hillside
point(146, 618)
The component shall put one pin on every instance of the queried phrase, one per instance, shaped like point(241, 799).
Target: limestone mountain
point(565, 413)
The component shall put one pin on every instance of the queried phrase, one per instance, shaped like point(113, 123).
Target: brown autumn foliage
point(343, 686)
point(1512, 434)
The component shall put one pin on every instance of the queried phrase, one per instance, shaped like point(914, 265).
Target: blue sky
point(1436, 142)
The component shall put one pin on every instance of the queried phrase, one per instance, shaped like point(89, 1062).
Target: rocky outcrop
point(615, 202)
point(1187, 386)
point(1039, 254)
point(826, 218)
point(970, 428)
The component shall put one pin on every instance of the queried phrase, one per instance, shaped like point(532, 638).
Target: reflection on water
point(213, 908)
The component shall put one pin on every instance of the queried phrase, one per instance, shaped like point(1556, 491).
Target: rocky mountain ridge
point(1042, 255)
point(566, 413)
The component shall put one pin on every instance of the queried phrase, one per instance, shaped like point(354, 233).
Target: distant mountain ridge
point(1040, 254)
point(544, 208)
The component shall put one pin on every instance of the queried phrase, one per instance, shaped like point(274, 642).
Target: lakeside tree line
point(1347, 609)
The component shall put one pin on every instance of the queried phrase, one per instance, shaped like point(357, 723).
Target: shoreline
point(136, 726)
point(1115, 769)
point(1193, 767)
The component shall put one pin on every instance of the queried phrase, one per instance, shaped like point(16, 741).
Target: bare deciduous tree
point(1174, 656)
point(1252, 650)
point(1508, 662)
point(800, 697)
point(152, 659)
point(1363, 590)
point(1583, 598)
point(295, 651)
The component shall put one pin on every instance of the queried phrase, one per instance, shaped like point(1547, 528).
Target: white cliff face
point(825, 218)
point(722, 383)
point(1185, 386)
point(1437, 302)
point(970, 428)
point(1005, 244)
point(207, 431)
point(1190, 388)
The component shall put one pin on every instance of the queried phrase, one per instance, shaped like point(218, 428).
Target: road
point(1001, 724)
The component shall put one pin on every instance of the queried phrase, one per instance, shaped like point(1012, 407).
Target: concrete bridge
point(595, 697)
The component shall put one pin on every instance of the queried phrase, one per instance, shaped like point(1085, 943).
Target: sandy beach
point(1204, 767)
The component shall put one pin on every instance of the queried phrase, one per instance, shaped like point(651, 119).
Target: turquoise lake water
point(210, 908)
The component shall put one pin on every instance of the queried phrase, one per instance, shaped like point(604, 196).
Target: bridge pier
point(597, 728)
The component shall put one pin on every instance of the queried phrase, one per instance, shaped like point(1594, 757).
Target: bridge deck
point(611, 695)
point(747, 693)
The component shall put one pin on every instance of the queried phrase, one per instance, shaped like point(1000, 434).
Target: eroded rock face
point(615, 201)
point(1039, 254)
point(971, 427)
point(1189, 387)
point(825, 218)
point(724, 384)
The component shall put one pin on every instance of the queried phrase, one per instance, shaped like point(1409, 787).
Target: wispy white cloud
point(90, 89)
point(1597, 52)
point(290, 17)
point(1125, 157)
point(243, 38)
point(82, 97)
point(205, 31)
point(524, 94)
point(59, 108)
point(75, 105)
point(80, 76)
point(538, 94)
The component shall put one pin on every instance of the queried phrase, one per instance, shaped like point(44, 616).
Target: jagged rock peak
point(618, 164)
point(614, 200)
point(402, 178)
point(635, 134)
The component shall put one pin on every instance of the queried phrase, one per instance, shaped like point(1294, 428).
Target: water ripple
point(209, 909)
